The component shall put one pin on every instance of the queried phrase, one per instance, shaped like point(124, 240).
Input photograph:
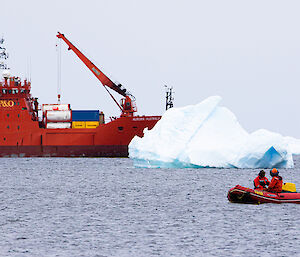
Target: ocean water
point(106, 207)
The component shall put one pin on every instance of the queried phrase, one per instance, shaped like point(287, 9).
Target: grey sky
point(248, 52)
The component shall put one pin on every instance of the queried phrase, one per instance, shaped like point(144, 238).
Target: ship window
point(135, 127)
point(8, 115)
point(9, 91)
point(120, 128)
point(18, 127)
point(18, 115)
point(8, 127)
point(4, 138)
point(4, 91)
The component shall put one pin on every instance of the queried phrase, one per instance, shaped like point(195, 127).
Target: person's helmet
point(274, 172)
point(262, 173)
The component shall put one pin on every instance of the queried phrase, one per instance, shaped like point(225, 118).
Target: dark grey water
point(105, 207)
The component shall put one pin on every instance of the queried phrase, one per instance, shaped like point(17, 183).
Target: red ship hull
point(23, 134)
point(20, 136)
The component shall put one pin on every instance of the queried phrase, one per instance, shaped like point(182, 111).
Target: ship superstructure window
point(4, 91)
point(9, 91)
point(120, 128)
point(8, 127)
point(7, 115)
point(18, 127)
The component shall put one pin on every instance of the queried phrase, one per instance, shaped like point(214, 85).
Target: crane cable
point(113, 98)
point(58, 49)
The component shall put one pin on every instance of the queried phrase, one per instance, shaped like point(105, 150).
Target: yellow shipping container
point(78, 124)
point(91, 124)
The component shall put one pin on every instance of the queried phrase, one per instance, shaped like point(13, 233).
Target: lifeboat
point(240, 194)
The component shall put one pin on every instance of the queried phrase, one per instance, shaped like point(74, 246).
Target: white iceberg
point(208, 135)
point(294, 145)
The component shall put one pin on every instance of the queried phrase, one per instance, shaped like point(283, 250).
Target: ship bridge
point(13, 87)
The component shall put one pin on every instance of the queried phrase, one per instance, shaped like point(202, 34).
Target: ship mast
point(169, 97)
point(3, 55)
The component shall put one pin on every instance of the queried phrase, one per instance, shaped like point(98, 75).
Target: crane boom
point(94, 69)
point(127, 106)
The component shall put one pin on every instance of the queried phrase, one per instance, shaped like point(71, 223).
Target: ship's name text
point(7, 103)
point(145, 118)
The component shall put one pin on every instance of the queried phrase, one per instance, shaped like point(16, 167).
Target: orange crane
point(127, 105)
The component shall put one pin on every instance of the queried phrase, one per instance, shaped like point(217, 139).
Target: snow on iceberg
point(208, 135)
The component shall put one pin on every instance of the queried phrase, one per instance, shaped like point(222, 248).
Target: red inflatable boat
point(239, 194)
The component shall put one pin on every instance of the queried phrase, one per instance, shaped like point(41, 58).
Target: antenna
point(30, 69)
point(169, 97)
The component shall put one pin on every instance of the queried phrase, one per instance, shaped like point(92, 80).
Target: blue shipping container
point(85, 115)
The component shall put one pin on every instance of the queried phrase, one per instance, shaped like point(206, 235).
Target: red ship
point(24, 134)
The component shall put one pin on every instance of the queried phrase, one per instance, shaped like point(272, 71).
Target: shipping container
point(56, 125)
point(55, 107)
point(91, 124)
point(85, 115)
point(78, 124)
point(58, 116)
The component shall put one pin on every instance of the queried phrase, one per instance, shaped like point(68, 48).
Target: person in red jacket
point(260, 182)
point(276, 182)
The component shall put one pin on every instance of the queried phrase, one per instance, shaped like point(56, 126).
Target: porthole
point(120, 128)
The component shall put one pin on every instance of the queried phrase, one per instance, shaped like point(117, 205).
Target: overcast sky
point(248, 52)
